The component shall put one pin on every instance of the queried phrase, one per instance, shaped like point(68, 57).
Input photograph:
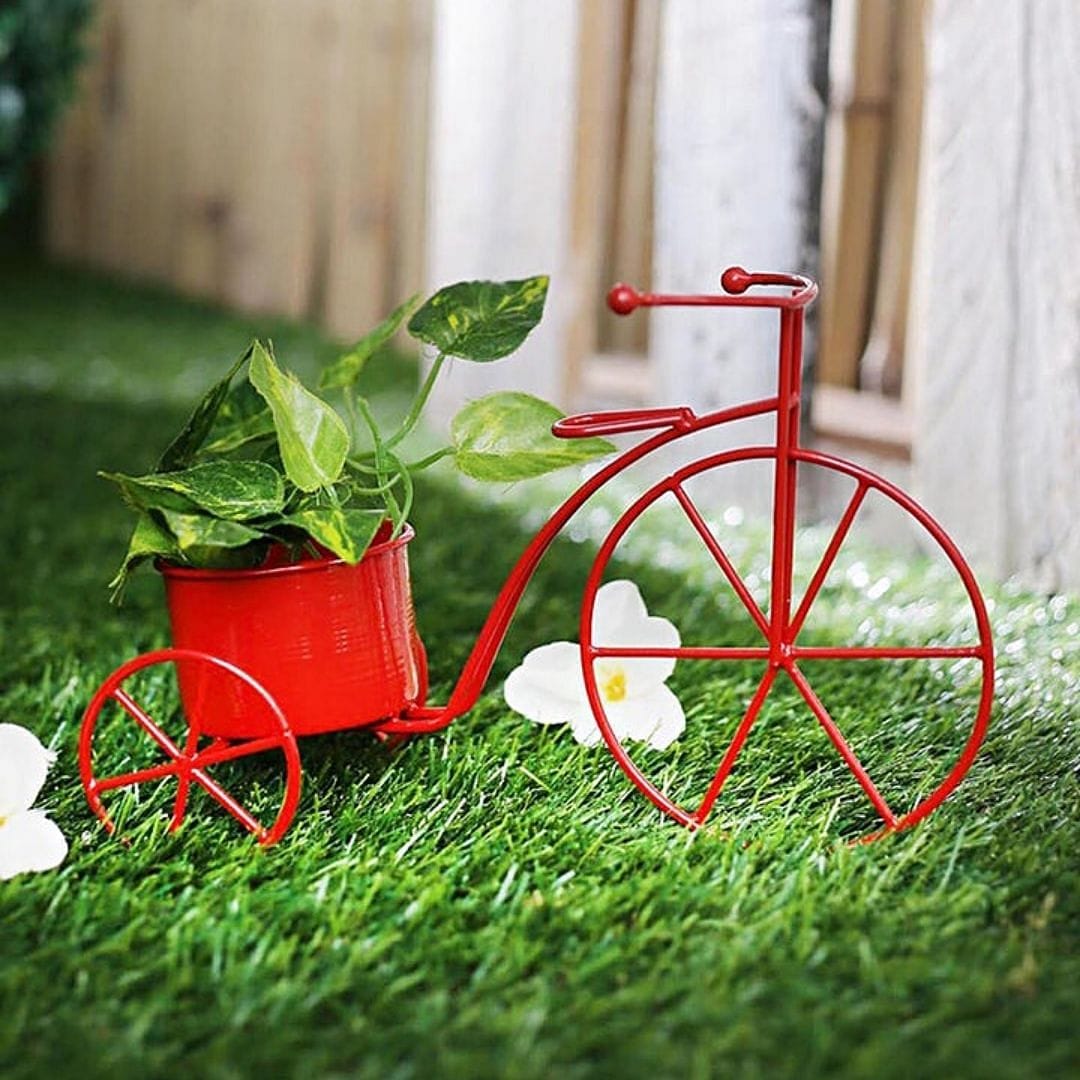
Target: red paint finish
point(780, 628)
point(335, 644)
point(191, 762)
point(269, 654)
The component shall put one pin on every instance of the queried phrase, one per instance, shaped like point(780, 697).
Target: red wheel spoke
point(218, 793)
point(683, 652)
point(721, 558)
point(180, 804)
point(886, 652)
point(136, 712)
point(139, 776)
point(736, 744)
point(828, 558)
point(216, 754)
point(183, 789)
point(842, 747)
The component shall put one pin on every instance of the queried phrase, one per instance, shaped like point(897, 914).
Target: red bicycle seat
point(617, 421)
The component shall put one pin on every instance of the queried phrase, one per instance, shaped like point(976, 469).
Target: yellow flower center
point(614, 686)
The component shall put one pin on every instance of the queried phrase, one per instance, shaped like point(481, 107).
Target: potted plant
point(280, 522)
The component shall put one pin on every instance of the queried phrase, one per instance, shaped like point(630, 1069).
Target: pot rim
point(189, 573)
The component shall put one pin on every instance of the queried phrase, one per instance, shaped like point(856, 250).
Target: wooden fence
point(267, 154)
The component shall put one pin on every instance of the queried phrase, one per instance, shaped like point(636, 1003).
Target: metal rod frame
point(779, 626)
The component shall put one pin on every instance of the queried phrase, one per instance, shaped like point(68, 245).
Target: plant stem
point(350, 408)
point(403, 475)
point(423, 463)
point(380, 463)
point(418, 404)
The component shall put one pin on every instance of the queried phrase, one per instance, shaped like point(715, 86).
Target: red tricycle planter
point(263, 656)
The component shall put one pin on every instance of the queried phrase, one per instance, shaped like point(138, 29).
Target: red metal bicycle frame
point(676, 423)
point(781, 627)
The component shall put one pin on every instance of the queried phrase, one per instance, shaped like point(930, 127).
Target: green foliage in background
point(40, 50)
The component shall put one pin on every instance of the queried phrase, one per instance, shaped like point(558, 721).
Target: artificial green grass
point(496, 900)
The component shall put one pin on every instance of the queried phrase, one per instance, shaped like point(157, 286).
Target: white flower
point(28, 839)
point(549, 688)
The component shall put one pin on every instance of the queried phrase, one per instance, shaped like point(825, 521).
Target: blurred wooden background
point(325, 158)
point(267, 154)
point(274, 155)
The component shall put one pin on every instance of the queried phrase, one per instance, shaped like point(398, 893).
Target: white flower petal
point(548, 687)
point(557, 662)
point(621, 619)
point(23, 765)
point(546, 694)
point(30, 841)
point(656, 718)
point(618, 603)
point(585, 728)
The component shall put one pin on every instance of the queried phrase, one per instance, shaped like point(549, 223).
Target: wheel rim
point(789, 660)
point(188, 763)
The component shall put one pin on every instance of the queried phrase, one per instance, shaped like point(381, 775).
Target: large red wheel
point(186, 753)
point(785, 654)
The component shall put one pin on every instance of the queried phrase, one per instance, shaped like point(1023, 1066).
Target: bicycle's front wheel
point(866, 739)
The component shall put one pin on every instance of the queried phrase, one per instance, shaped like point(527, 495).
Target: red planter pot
point(335, 645)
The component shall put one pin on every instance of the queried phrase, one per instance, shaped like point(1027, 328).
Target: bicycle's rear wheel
point(787, 655)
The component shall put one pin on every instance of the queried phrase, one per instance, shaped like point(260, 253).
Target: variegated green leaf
point(312, 438)
point(507, 436)
point(182, 450)
point(235, 490)
point(481, 320)
point(347, 368)
point(212, 542)
point(149, 540)
point(347, 533)
point(244, 418)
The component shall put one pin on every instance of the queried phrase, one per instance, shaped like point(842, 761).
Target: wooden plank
point(881, 366)
point(361, 185)
point(70, 175)
point(410, 204)
point(1043, 451)
point(631, 247)
point(728, 186)
point(602, 29)
point(248, 151)
point(377, 134)
point(995, 329)
point(862, 420)
point(856, 142)
point(500, 185)
point(203, 150)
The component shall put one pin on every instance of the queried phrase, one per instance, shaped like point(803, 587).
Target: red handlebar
point(624, 299)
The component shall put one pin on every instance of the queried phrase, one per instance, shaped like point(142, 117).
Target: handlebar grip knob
point(623, 299)
point(735, 280)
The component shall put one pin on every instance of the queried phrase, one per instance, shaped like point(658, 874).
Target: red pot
point(335, 645)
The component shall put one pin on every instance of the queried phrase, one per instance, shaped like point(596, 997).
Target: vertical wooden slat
point(629, 257)
point(995, 327)
point(70, 179)
point(411, 141)
point(202, 147)
point(856, 133)
point(881, 368)
point(602, 30)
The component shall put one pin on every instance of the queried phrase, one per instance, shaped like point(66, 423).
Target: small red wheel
point(184, 758)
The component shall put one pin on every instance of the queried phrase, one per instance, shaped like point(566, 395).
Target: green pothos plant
point(263, 460)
